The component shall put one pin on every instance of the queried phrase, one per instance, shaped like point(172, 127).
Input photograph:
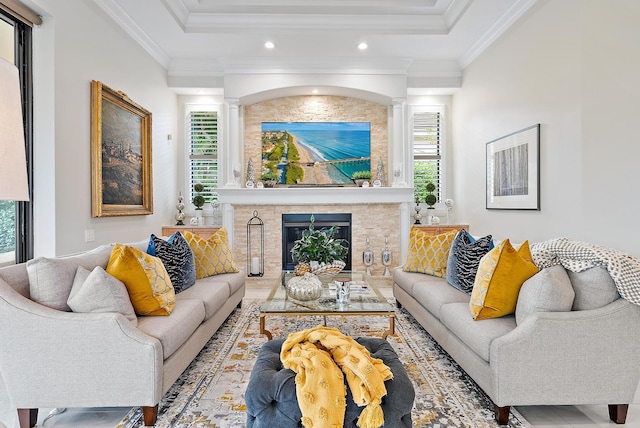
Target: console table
point(203, 231)
point(436, 229)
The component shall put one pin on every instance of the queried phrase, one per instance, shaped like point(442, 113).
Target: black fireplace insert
point(294, 224)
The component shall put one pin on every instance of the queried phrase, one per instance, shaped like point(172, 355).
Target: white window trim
point(186, 185)
point(413, 109)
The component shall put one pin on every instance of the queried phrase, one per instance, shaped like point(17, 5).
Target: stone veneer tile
point(315, 108)
point(374, 221)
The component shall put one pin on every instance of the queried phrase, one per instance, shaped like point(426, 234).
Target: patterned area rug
point(210, 393)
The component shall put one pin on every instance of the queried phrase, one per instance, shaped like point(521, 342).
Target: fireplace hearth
point(294, 224)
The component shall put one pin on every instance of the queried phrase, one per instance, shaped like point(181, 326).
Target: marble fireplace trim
point(376, 213)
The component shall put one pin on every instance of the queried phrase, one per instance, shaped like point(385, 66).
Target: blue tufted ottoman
point(271, 393)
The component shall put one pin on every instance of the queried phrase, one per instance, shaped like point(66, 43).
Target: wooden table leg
point(264, 330)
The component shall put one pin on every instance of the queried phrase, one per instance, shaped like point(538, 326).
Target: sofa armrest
point(51, 358)
point(575, 357)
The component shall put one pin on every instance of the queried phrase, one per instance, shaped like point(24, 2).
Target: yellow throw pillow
point(501, 273)
point(429, 253)
point(146, 279)
point(212, 256)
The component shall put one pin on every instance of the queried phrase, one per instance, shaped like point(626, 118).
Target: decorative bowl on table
point(326, 268)
point(305, 287)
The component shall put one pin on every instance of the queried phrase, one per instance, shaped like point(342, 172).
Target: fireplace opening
point(294, 224)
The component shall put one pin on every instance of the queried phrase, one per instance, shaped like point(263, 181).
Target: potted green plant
point(269, 179)
point(198, 200)
point(319, 246)
point(430, 199)
point(360, 177)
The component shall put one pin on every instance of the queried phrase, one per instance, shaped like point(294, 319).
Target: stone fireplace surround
point(375, 213)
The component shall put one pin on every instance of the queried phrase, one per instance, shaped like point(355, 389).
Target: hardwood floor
point(258, 288)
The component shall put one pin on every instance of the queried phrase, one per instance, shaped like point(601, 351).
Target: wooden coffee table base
point(392, 319)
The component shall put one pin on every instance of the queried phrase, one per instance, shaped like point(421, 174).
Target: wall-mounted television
point(316, 153)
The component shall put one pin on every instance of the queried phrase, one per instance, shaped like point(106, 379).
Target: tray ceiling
point(427, 40)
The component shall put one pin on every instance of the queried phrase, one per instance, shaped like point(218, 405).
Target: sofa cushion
point(212, 256)
point(174, 330)
point(51, 279)
point(406, 280)
point(213, 294)
point(477, 335)
point(500, 275)
point(428, 253)
point(177, 257)
point(436, 293)
point(464, 259)
point(233, 280)
point(594, 288)
point(97, 291)
point(549, 290)
point(146, 279)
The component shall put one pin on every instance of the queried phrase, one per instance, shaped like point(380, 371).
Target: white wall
point(77, 44)
point(571, 66)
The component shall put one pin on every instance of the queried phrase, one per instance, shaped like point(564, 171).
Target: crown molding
point(297, 65)
point(295, 23)
point(519, 8)
point(417, 17)
point(122, 19)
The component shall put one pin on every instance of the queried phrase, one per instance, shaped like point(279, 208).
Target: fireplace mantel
point(377, 212)
point(315, 195)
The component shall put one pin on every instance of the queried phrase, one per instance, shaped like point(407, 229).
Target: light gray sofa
point(55, 359)
point(585, 354)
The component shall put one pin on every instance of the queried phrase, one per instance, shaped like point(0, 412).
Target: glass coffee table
point(365, 299)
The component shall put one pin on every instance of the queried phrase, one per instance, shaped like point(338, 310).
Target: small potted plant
point(360, 177)
point(430, 199)
point(198, 200)
point(320, 249)
point(269, 179)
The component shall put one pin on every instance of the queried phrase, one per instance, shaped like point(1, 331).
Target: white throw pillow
point(549, 290)
point(51, 279)
point(97, 291)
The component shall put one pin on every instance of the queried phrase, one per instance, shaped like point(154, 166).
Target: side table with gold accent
point(441, 228)
point(203, 231)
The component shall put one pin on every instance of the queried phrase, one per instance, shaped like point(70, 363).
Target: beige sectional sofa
point(541, 355)
point(53, 358)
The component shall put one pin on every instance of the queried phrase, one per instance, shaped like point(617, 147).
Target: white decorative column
point(400, 155)
point(232, 153)
point(230, 158)
point(398, 152)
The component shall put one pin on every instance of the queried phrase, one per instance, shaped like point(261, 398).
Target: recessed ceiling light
point(315, 91)
point(269, 45)
point(362, 46)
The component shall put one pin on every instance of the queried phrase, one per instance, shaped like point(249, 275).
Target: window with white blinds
point(427, 153)
point(202, 139)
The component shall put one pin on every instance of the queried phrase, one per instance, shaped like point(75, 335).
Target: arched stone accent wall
point(317, 108)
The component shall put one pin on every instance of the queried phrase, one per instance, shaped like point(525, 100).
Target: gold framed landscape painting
point(121, 176)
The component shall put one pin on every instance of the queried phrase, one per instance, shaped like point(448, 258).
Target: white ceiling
point(201, 41)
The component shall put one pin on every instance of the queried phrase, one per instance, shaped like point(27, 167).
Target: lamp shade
point(13, 164)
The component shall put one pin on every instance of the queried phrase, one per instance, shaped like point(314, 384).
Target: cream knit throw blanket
point(577, 256)
point(317, 355)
